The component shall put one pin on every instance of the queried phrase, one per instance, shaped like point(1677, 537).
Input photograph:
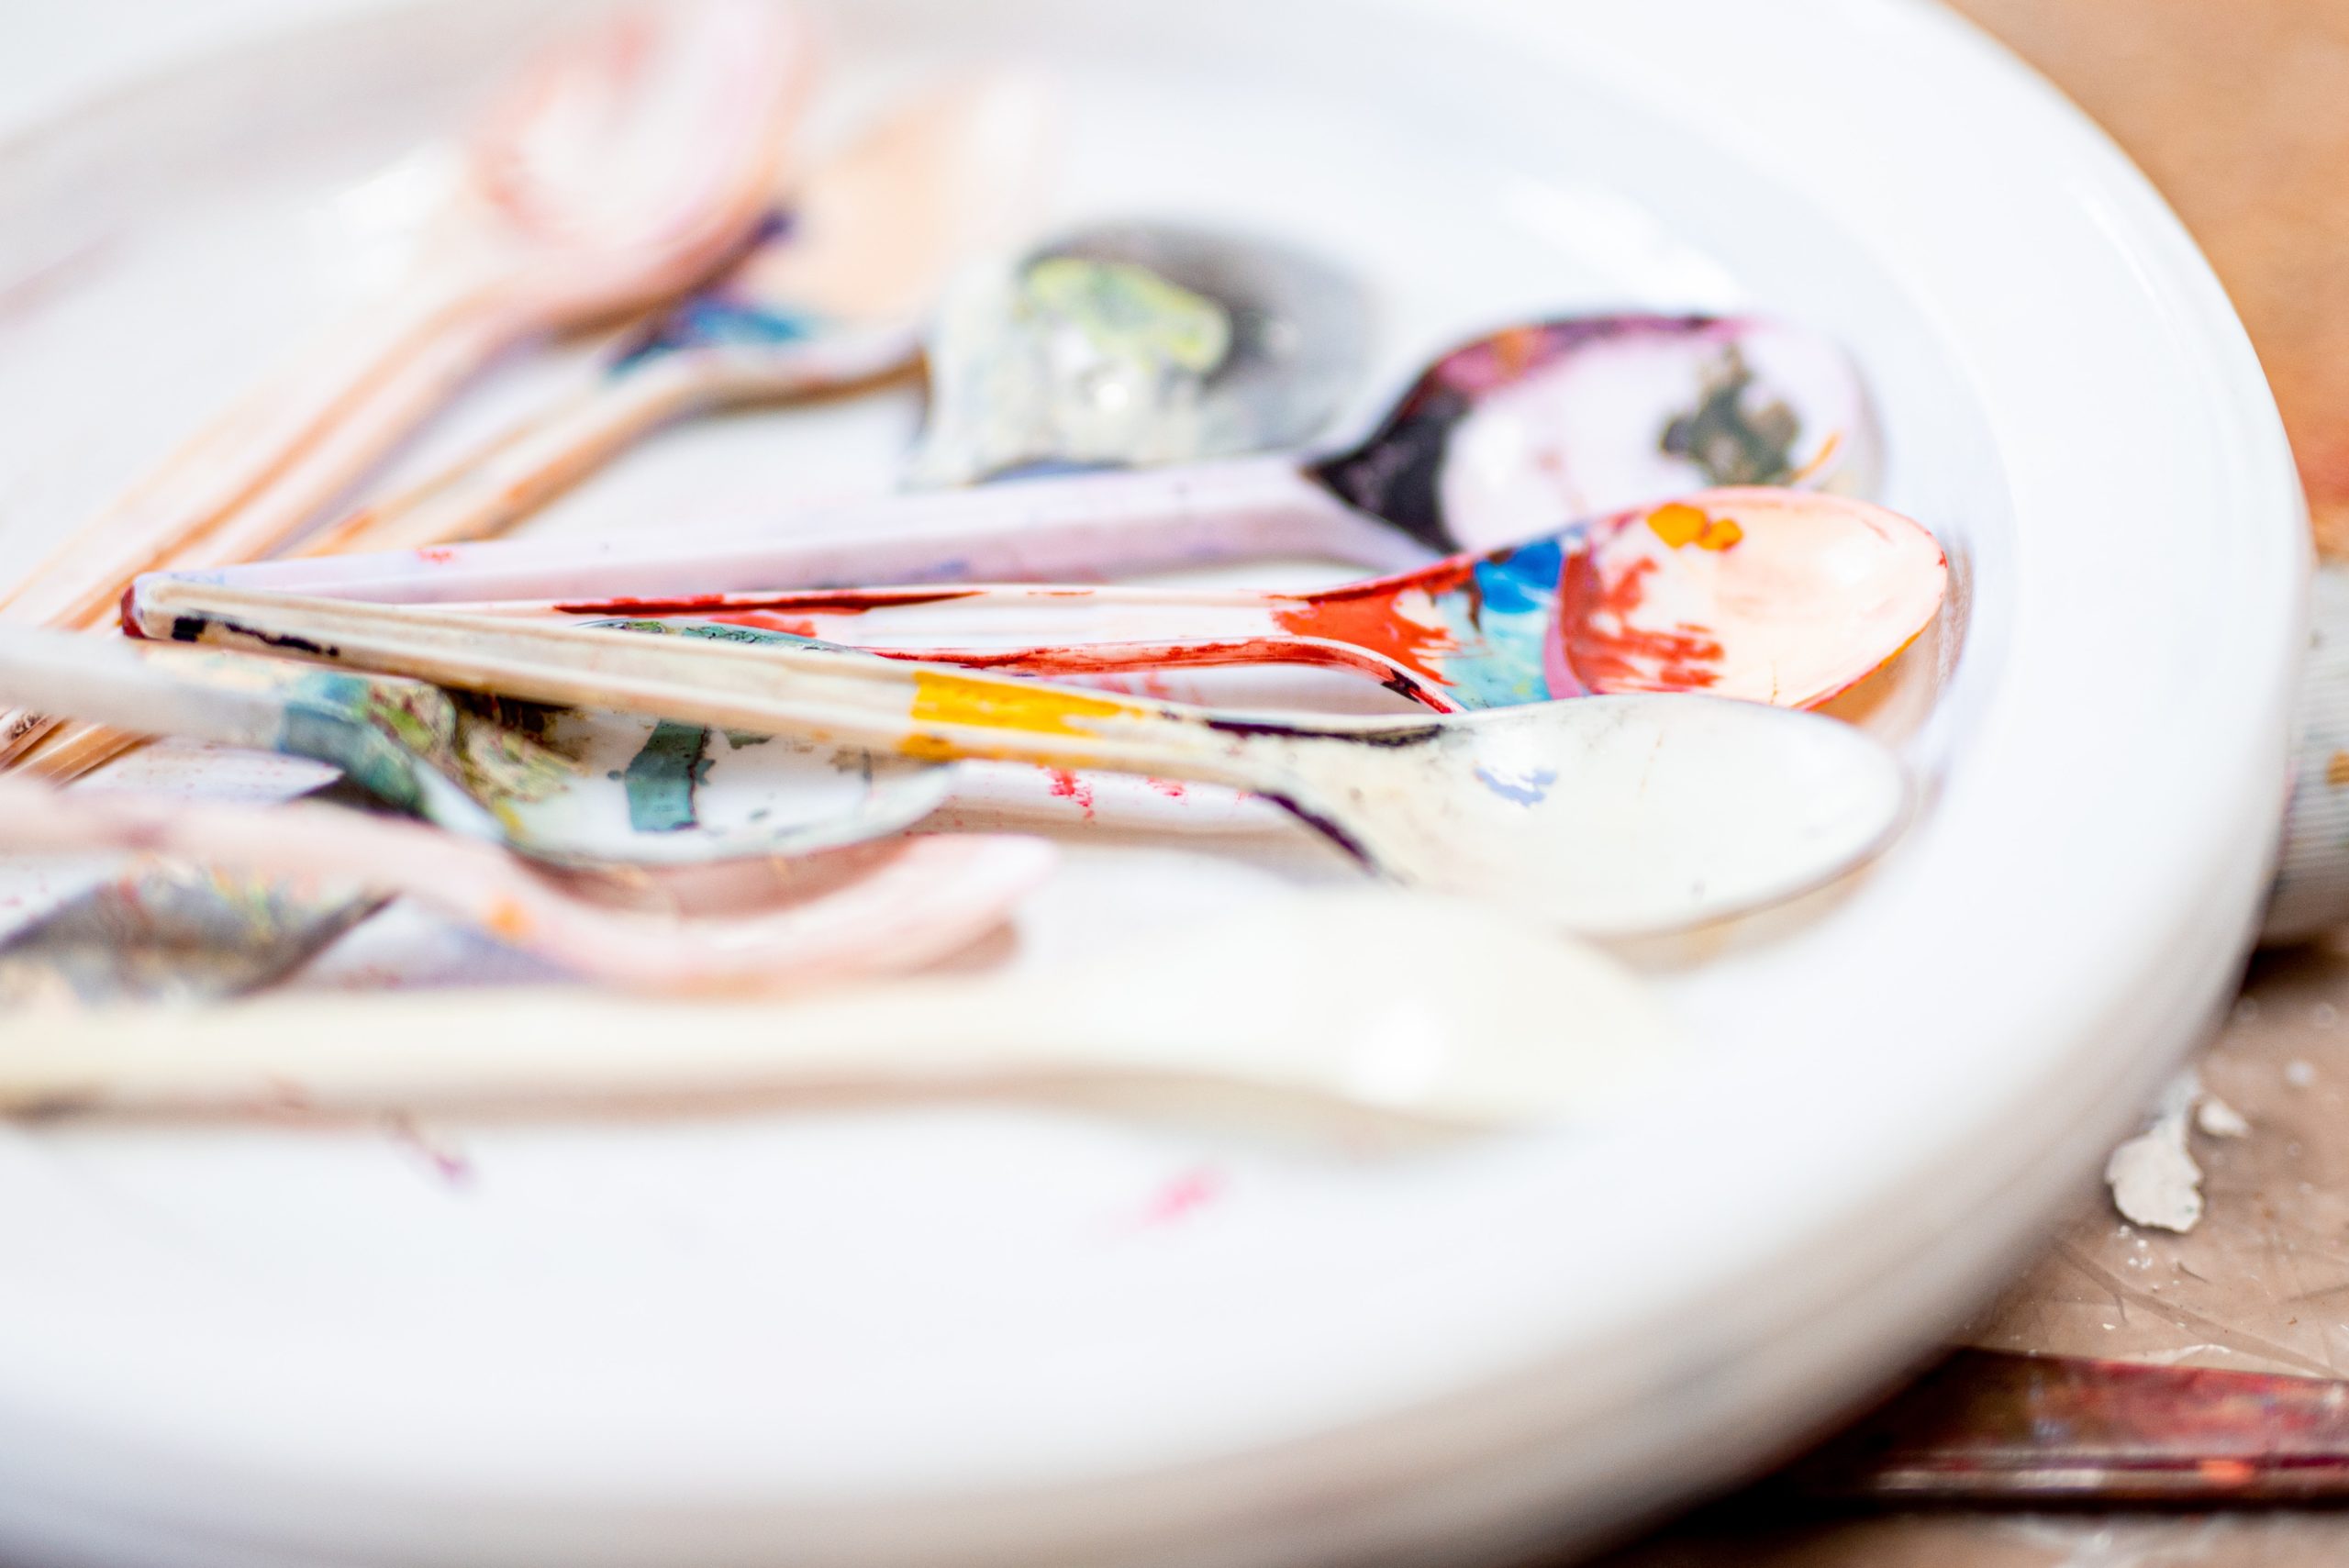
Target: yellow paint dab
point(1003, 704)
point(2336, 770)
point(1720, 534)
point(1677, 523)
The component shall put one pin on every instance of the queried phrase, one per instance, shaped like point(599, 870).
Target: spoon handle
point(821, 694)
point(512, 475)
point(553, 1049)
point(1076, 528)
point(129, 687)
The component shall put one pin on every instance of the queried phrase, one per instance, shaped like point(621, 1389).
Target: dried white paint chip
point(2218, 1119)
point(2154, 1178)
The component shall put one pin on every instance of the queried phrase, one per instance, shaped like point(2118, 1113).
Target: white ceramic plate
point(981, 1334)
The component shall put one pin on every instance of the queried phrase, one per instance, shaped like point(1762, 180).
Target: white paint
point(2218, 1119)
point(2154, 1178)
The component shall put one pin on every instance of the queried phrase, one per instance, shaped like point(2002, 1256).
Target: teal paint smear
point(661, 776)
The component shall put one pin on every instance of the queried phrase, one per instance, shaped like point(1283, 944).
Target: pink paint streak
point(1182, 1196)
point(1068, 786)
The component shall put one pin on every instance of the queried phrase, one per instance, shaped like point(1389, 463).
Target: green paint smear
point(1731, 445)
point(661, 776)
point(1129, 312)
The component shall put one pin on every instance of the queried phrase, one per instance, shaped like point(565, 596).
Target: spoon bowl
point(1613, 817)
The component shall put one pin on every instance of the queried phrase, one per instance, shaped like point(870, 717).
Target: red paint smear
point(848, 602)
point(437, 554)
point(1628, 658)
point(1366, 616)
point(1068, 786)
point(1181, 1198)
point(1171, 788)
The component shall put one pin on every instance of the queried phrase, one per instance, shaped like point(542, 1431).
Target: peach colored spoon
point(874, 909)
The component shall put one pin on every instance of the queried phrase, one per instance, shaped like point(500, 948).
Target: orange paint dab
point(2336, 770)
point(508, 919)
point(1677, 524)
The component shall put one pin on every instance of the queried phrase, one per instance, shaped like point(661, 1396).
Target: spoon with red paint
point(1780, 596)
point(1492, 445)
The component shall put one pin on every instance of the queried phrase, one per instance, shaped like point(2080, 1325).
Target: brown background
point(2239, 110)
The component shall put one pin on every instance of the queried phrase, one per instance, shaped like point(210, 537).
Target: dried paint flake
point(2154, 1178)
point(2216, 1118)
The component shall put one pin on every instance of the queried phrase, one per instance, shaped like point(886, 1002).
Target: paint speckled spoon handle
point(1609, 815)
point(1487, 1024)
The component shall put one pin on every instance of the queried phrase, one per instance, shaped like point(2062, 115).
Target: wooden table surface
point(2239, 110)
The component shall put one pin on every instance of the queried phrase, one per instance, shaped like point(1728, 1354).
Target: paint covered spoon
point(1781, 596)
point(871, 910)
point(1487, 1024)
point(1609, 815)
point(409, 745)
point(1572, 419)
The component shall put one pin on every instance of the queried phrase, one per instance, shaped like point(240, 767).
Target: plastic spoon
point(1496, 444)
point(622, 167)
point(1608, 816)
point(1771, 595)
point(408, 745)
point(834, 293)
point(869, 911)
point(1484, 1025)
